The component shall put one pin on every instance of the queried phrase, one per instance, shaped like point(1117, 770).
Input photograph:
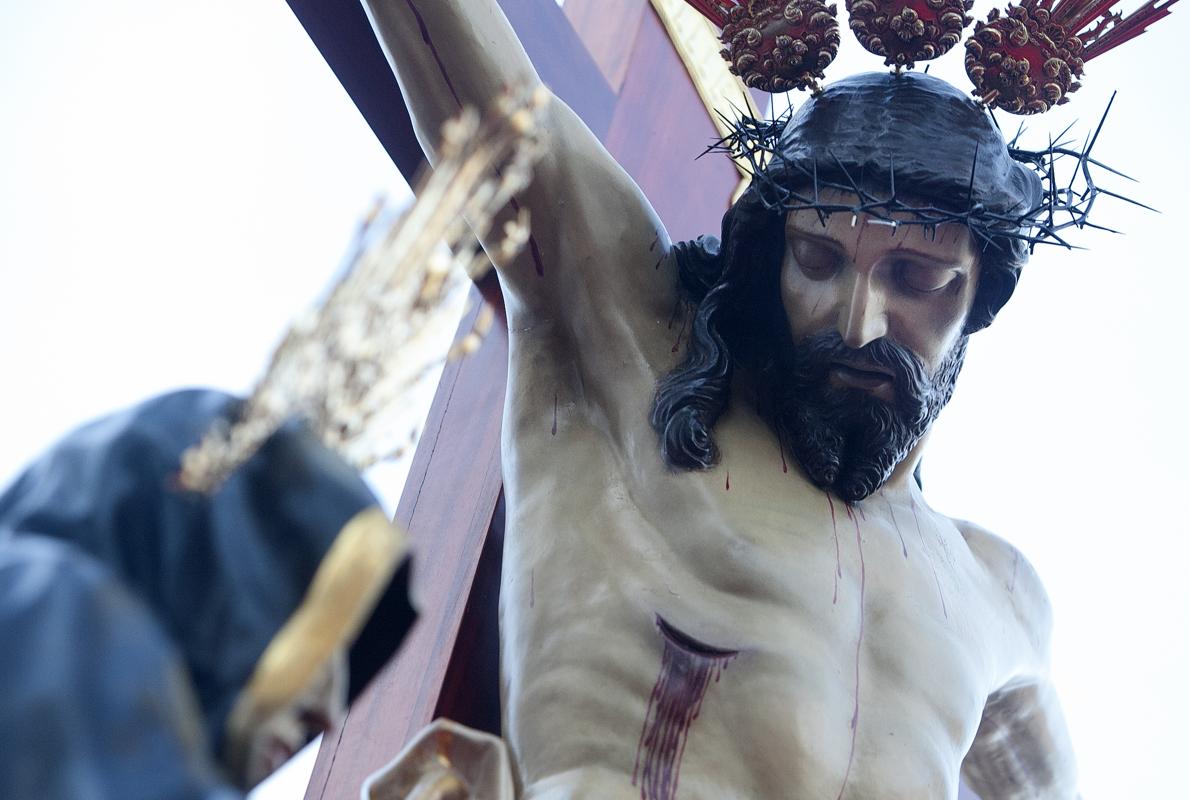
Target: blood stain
point(554, 427)
point(673, 317)
point(859, 543)
point(678, 341)
point(727, 483)
point(535, 252)
point(896, 525)
point(929, 560)
point(687, 668)
point(838, 558)
point(425, 37)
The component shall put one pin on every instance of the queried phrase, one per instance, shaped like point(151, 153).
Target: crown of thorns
point(1065, 185)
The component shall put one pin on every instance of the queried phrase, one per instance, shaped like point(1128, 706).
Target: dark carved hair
point(733, 284)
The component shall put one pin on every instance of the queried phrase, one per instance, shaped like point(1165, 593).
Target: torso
point(728, 633)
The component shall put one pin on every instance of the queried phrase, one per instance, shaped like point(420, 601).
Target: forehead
point(865, 236)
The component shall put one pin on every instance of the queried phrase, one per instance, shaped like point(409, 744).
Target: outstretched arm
point(595, 240)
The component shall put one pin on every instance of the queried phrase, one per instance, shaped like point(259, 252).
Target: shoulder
point(1015, 585)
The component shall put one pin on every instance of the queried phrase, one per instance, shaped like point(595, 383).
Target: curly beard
point(846, 440)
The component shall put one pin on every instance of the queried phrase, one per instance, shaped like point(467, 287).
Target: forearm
point(448, 54)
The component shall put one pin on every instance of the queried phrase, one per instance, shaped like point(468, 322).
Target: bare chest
point(778, 634)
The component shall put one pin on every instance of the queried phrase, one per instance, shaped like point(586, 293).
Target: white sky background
point(178, 180)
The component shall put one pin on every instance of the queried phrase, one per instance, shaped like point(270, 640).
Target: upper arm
point(1021, 748)
point(594, 237)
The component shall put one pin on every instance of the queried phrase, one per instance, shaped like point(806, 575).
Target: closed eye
point(925, 278)
point(817, 260)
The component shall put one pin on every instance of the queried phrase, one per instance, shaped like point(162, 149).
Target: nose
point(862, 317)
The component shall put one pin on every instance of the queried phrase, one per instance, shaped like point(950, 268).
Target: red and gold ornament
point(1027, 60)
point(775, 45)
point(908, 31)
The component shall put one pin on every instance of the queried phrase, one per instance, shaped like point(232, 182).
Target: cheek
point(930, 326)
point(808, 304)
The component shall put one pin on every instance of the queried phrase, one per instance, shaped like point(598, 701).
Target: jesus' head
point(848, 329)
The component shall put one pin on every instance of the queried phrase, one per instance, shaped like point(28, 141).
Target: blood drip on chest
point(893, 516)
point(838, 555)
point(859, 643)
point(929, 559)
point(688, 667)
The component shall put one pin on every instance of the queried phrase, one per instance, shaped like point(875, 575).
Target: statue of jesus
point(720, 573)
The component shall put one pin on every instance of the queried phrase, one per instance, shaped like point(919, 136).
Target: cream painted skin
point(869, 639)
point(869, 280)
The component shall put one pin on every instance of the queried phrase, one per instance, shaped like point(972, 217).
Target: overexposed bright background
point(178, 180)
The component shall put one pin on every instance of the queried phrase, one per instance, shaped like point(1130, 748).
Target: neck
point(902, 479)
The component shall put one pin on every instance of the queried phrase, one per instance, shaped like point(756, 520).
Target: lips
point(875, 381)
point(865, 375)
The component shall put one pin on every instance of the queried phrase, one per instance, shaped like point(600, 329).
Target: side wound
point(687, 668)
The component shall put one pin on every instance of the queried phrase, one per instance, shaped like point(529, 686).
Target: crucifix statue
point(720, 575)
